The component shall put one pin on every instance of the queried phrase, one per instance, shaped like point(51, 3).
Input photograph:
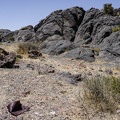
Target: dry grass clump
point(115, 29)
point(102, 93)
point(25, 47)
point(96, 49)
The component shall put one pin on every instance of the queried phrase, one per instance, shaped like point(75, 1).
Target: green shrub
point(108, 9)
point(103, 93)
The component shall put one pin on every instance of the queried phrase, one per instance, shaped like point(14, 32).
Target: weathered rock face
point(96, 31)
point(81, 54)
point(95, 26)
point(111, 46)
point(7, 60)
point(58, 30)
point(24, 34)
point(72, 28)
point(3, 33)
point(71, 31)
point(116, 12)
point(63, 23)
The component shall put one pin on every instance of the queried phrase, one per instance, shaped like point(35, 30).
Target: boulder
point(7, 60)
point(56, 47)
point(75, 53)
point(25, 34)
point(85, 54)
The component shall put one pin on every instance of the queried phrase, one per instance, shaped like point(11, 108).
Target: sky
point(15, 14)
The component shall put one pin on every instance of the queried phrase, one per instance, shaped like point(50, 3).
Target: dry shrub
point(96, 49)
point(25, 47)
point(115, 29)
point(103, 93)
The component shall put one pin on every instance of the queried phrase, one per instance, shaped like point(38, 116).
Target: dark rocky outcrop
point(81, 54)
point(96, 26)
point(116, 12)
point(3, 33)
point(57, 31)
point(71, 31)
point(111, 46)
point(24, 34)
point(7, 60)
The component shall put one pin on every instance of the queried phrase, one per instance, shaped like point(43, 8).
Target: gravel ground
point(48, 86)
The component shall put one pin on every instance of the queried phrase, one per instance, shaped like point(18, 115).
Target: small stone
point(100, 70)
point(108, 72)
point(52, 113)
point(36, 113)
point(118, 111)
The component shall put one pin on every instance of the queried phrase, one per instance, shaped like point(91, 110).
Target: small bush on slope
point(115, 29)
point(103, 93)
point(108, 9)
point(23, 48)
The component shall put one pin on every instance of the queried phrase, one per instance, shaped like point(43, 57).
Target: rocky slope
point(79, 34)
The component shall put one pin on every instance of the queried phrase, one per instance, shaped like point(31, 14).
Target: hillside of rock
point(77, 33)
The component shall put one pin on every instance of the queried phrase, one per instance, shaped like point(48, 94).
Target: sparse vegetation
point(96, 49)
point(115, 29)
point(108, 9)
point(103, 93)
point(1, 50)
point(24, 48)
point(18, 58)
point(10, 37)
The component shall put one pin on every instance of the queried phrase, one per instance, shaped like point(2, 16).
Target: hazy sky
point(15, 14)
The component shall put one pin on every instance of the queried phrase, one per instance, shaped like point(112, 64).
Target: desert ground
point(48, 85)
